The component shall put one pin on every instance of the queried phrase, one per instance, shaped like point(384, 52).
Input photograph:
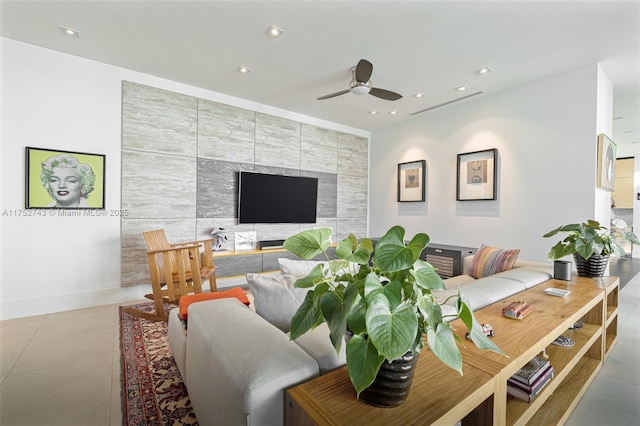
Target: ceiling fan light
point(360, 89)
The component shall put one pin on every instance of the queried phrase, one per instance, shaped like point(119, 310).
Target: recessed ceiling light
point(462, 88)
point(484, 70)
point(70, 31)
point(394, 112)
point(243, 70)
point(373, 112)
point(619, 117)
point(274, 31)
point(419, 95)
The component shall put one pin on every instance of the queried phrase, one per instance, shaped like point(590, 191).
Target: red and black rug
point(152, 389)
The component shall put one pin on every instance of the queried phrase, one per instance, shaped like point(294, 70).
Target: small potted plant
point(590, 244)
point(384, 298)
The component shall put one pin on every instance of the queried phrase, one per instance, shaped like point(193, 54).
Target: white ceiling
point(415, 46)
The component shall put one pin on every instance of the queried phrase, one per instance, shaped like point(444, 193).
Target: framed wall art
point(477, 175)
point(64, 179)
point(411, 181)
point(245, 241)
point(606, 163)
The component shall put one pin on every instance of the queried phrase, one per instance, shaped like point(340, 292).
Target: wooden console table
point(439, 395)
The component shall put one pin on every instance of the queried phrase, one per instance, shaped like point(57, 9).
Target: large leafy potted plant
point(590, 244)
point(385, 300)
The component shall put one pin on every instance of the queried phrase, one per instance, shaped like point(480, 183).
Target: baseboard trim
point(20, 308)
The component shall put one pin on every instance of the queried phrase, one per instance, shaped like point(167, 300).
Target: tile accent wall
point(181, 155)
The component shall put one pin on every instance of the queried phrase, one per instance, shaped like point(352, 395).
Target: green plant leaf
point(392, 332)
point(372, 286)
point(356, 319)
point(393, 291)
point(443, 345)
point(335, 309)
point(430, 310)
point(585, 250)
point(473, 326)
point(426, 276)
point(359, 253)
point(306, 317)
point(314, 276)
point(392, 255)
point(310, 243)
point(363, 362)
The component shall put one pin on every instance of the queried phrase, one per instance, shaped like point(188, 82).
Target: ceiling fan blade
point(333, 95)
point(364, 69)
point(387, 95)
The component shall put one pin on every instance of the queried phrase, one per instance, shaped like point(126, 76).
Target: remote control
point(557, 292)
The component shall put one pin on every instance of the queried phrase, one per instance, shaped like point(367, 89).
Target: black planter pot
point(392, 384)
point(593, 267)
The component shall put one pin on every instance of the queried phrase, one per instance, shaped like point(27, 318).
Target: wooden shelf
point(558, 405)
point(480, 396)
point(439, 395)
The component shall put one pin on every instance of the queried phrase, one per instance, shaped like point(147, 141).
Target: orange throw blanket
point(185, 301)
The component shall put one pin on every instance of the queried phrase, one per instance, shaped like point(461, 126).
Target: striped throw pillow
point(491, 260)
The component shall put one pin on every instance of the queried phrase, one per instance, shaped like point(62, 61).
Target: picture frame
point(57, 179)
point(411, 181)
point(477, 175)
point(607, 151)
point(245, 241)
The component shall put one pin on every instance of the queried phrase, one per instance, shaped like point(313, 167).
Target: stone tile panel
point(319, 149)
point(158, 185)
point(158, 120)
point(352, 197)
point(277, 141)
point(225, 132)
point(353, 155)
point(217, 187)
point(327, 193)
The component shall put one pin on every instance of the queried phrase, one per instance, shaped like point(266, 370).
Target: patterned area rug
point(152, 389)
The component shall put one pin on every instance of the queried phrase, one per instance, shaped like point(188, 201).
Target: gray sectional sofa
point(237, 365)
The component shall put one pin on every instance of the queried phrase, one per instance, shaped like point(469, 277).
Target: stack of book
point(527, 383)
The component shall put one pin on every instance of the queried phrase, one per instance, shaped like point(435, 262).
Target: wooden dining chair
point(175, 270)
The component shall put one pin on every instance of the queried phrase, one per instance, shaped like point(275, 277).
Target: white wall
point(58, 101)
point(545, 133)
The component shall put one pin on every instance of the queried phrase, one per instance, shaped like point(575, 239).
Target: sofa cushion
point(177, 336)
point(239, 366)
point(317, 343)
point(483, 292)
point(458, 280)
point(527, 276)
point(275, 298)
point(491, 260)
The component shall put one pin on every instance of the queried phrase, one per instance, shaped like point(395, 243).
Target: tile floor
point(64, 369)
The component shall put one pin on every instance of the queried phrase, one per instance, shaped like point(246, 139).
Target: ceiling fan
point(361, 84)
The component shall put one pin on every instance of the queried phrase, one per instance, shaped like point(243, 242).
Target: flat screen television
point(266, 198)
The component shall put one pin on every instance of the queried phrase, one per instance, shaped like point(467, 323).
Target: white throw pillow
point(275, 298)
point(297, 267)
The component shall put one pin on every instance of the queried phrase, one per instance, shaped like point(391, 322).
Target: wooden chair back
point(176, 270)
